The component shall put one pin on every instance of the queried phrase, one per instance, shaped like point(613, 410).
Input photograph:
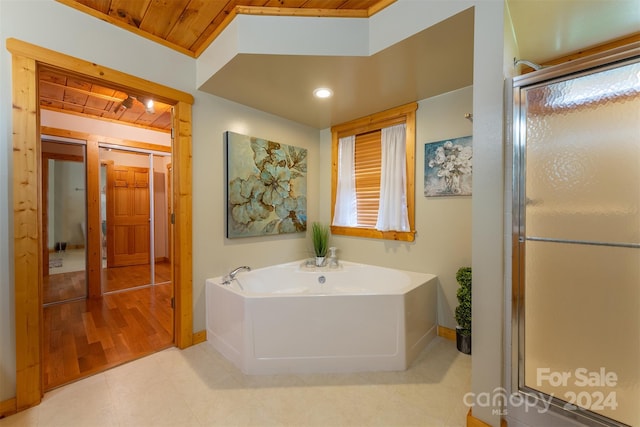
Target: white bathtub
point(283, 320)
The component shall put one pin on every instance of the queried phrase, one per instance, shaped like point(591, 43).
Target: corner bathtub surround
point(290, 319)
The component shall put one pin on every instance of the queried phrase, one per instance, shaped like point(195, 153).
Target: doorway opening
point(130, 314)
point(134, 218)
point(27, 59)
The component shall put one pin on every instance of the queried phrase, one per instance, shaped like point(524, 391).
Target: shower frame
point(516, 139)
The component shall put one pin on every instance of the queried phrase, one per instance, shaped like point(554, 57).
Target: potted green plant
point(320, 236)
point(463, 310)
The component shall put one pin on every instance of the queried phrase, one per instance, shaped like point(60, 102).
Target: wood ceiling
point(189, 26)
point(75, 94)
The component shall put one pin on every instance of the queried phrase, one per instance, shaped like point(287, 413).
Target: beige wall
point(214, 254)
point(443, 224)
point(488, 204)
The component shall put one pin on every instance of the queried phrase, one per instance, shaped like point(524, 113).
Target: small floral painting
point(448, 167)
point(266, 187)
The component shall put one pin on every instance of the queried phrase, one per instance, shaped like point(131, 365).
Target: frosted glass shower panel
point(579, 234)
point(583, 175)
point(583, 320)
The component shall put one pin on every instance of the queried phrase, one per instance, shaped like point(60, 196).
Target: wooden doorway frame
point(27, 203)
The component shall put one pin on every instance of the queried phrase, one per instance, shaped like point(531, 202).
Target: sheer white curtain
point(346, 209)
point(392, 211)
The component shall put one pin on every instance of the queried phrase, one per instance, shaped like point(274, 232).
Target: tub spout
point(235, 271)
point(232, 275)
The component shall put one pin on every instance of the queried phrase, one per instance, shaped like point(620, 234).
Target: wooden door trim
point(27, 238)
point(27, 204)
point(169, 210)
point(100, 139)
point(109, 209)
point(94, 244)
point(44, 175)
point(182, 205)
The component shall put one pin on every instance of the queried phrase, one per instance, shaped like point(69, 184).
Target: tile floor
point(198, 387)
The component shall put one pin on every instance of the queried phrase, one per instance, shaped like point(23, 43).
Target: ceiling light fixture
point(125, 104)
point(322, 92)
point(149, 106)
point(128, 103)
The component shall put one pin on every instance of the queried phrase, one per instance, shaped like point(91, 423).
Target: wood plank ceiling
point(189, 26)
point(75, 94)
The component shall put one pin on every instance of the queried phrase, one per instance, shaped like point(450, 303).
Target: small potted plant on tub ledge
point(463, 310)
point(320, 236)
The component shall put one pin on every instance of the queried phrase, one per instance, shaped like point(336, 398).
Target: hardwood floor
point(88, 336)
point(72, 285)
point(64, 286)
point(119, 278)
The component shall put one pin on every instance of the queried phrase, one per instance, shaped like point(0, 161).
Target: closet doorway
point(134, 220)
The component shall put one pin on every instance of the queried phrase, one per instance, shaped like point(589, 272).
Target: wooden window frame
point(403, 114)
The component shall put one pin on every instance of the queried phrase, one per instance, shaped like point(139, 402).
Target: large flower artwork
point(267, 187)
point(448, 167)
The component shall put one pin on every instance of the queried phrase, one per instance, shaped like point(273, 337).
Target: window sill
point(403, 236)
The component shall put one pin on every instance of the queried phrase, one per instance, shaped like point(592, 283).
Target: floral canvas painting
point(266, 187)
point(448, 167)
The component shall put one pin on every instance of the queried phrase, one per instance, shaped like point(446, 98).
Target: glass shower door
point(579, 241)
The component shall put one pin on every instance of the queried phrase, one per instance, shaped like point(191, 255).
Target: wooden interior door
point(129, 226)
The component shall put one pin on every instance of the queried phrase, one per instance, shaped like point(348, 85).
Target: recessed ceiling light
point(322, 92)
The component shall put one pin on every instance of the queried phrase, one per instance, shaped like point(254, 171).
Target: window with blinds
point(367, 167)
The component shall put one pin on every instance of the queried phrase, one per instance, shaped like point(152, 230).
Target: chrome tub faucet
point(233, 273)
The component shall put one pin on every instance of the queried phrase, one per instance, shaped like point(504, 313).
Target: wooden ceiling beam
point(82, 91)
point(76, 105)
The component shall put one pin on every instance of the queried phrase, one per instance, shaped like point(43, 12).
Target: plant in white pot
point(463, 310)
point(320, 236)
